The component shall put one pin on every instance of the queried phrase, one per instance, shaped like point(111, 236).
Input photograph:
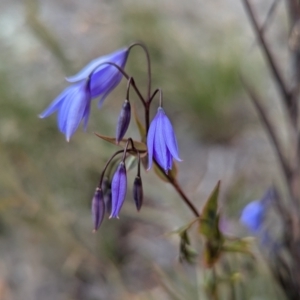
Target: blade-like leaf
point(141, 127)
point(212, 252)
point(209, 222)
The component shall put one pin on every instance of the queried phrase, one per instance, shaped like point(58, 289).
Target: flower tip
point(94, 230)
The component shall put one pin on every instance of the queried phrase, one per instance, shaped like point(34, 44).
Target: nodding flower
point(161, 142)
point(97, 79)
point(103, 77)
point(73, 106)
point(118, 190)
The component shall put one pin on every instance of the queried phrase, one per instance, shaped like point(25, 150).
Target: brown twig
point(269, 128)
point(286, 95)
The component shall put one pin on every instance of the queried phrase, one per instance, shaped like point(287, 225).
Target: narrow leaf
point(209, 222)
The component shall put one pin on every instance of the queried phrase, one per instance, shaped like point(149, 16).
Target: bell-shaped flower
point(103, 77)
point(73, 106)
point(98, 208)
point(118, 190)
point(161, 142)
point(253, 214)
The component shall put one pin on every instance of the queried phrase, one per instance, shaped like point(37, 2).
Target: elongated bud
point(107, 201)
point(123, 121)
point(105, 186)
point(138, 192)
point(98, 208)
point(118, 190)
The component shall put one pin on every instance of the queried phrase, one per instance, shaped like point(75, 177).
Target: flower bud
point(105, 186)
point(107, 201)
point(138, 192)
point(118, 190)
point(98, 208)
point(123, 121)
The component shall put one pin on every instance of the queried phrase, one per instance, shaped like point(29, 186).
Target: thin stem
point(124, 74)
point(107, 164)
point(177, 187)
point(143, 46)
point(286, 96)
point(128, 87)
point(139, 165)
point(153, 95)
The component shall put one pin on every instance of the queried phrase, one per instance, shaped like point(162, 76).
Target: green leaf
point(186, 252)
point(209, 221)
point(212, 252)
point(238, 245)
point(140, 146)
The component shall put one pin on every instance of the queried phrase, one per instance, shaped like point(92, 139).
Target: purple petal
point(150, 141)
point(56, 103)
point(169, 160)
point(169, 136)
point(98, 208)
point(118, 189)
point(86, 115)
point(160, 146)
point(117, 57)
point(109, 89)
point(74, 108)
point(138, 192)
point(123, 121)
point(253, 215)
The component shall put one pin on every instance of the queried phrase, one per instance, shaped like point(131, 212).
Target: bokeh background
point(198, 48)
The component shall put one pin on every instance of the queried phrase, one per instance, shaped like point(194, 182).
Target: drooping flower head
point(118, 190)
point(73, 106)
point(161, 142)
point(94, 80)
point(104, 77)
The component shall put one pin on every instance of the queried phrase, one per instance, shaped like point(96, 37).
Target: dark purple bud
point(107, 200)
point(118, 190)
point(138, 192)
point(98, 208)
point(123, 121)
point(105, 186)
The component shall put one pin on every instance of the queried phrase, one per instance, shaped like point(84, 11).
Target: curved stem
point(107, 164)
point(143, 46)
point(132, 82)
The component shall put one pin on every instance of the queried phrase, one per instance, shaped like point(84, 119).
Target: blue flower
point(103, 77)
point(253, 215)
point(118, 190)
point(161, 142)
point(73, 106)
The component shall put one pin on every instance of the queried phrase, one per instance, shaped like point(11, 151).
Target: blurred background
point(198, 48)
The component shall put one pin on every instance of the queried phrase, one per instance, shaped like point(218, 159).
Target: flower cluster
point(97, 80)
